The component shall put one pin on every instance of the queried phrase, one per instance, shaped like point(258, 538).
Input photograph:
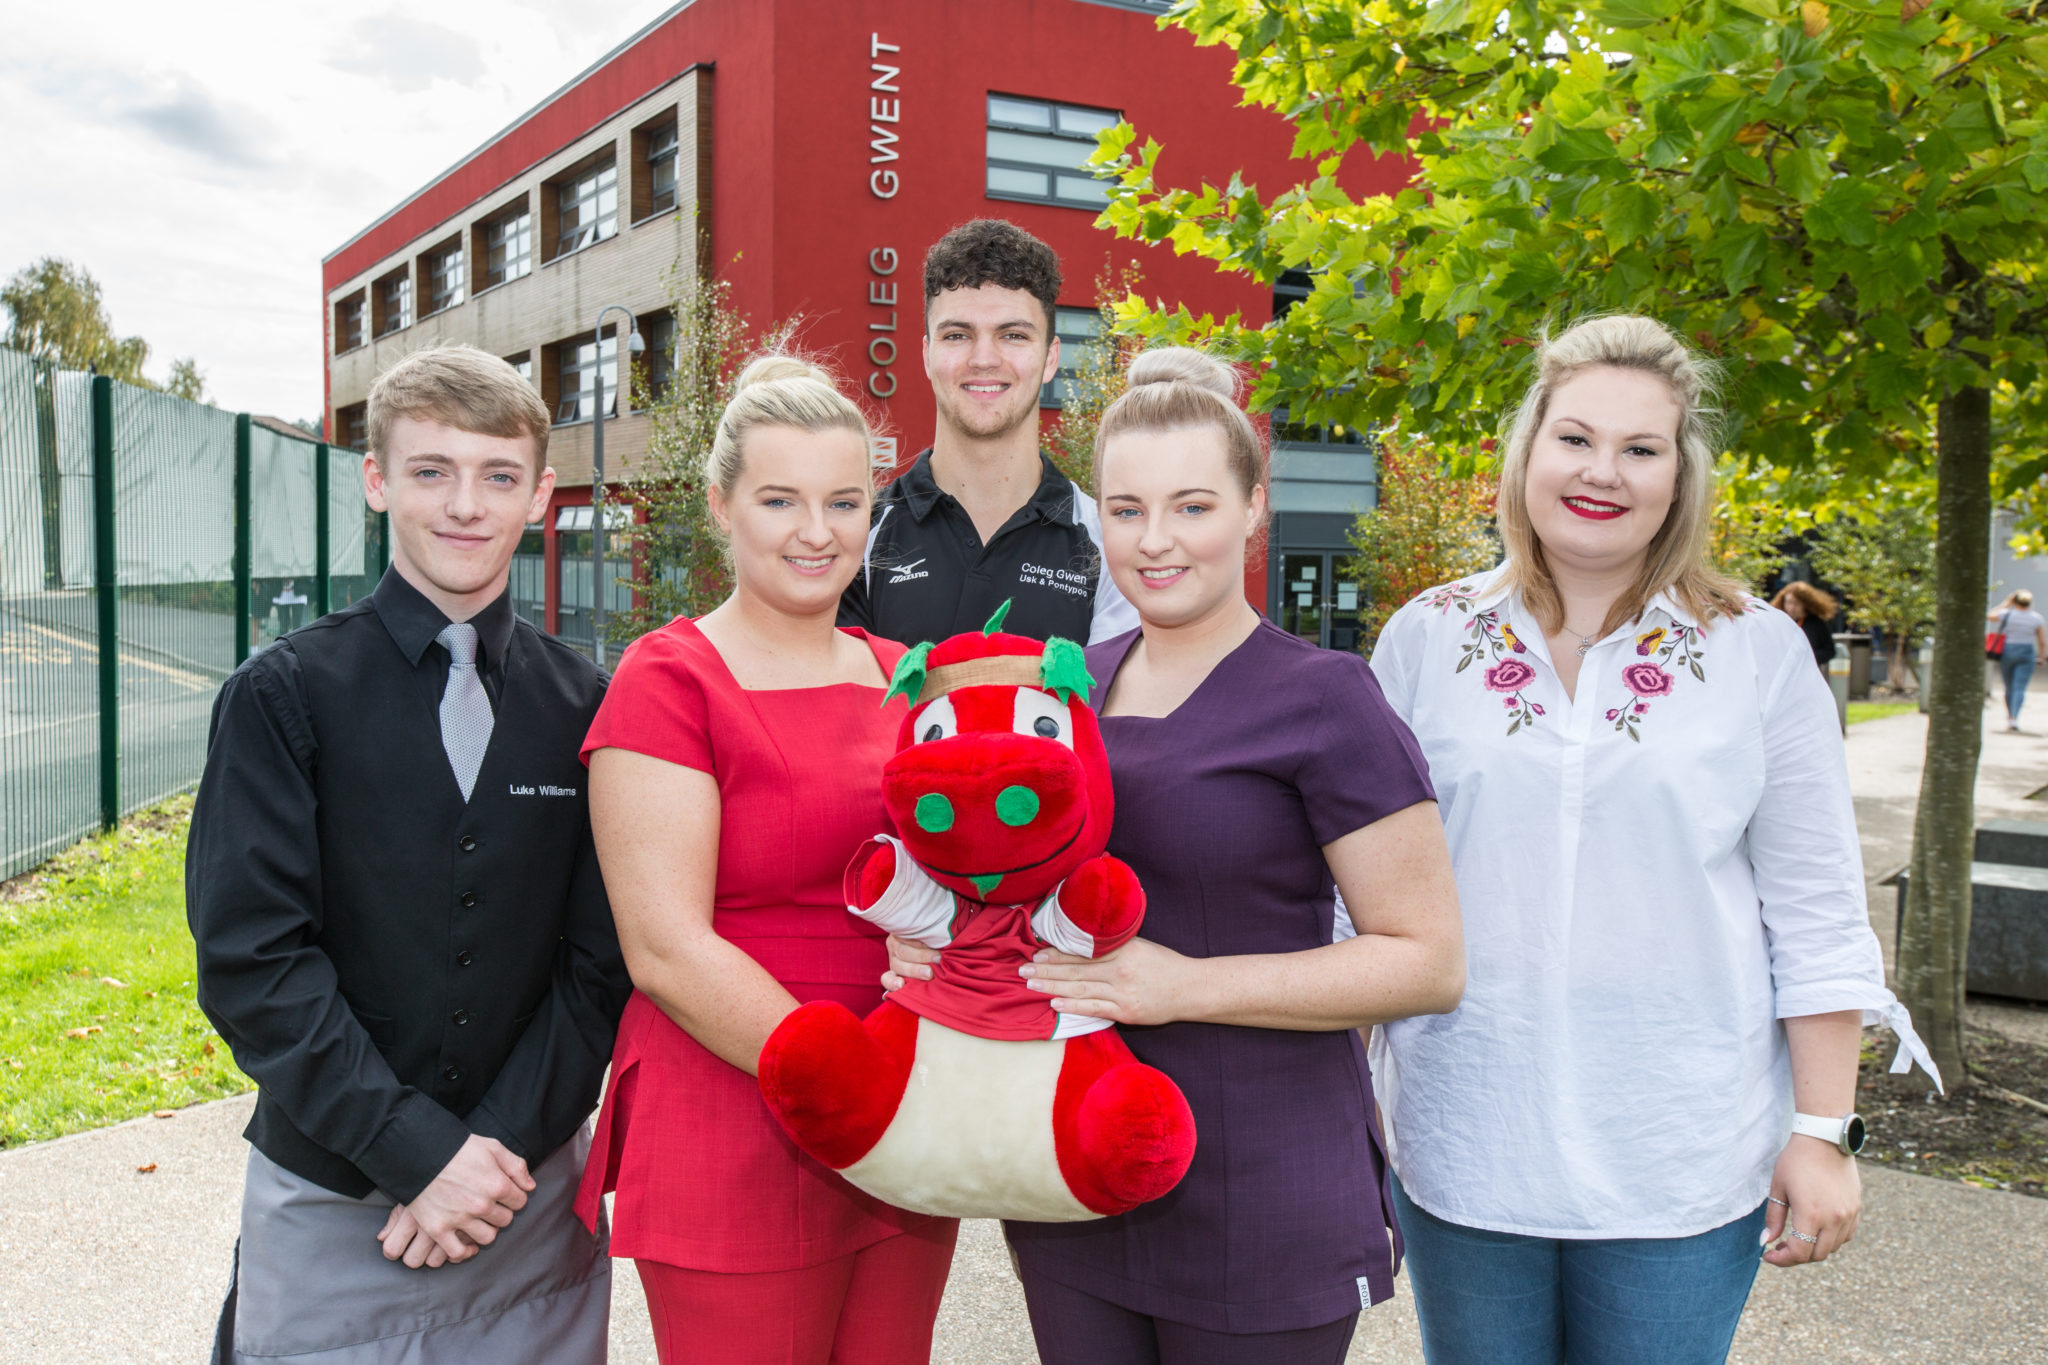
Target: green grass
point(97, 1018)
point(1878, 710)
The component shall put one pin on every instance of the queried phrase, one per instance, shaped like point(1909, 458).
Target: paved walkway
point(105, 1264)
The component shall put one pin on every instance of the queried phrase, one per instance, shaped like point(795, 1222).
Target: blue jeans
point(1497, 1298)
point(2016, 666)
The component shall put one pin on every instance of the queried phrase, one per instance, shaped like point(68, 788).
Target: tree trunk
point(1934, 939)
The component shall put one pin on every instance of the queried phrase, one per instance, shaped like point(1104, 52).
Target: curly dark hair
point(992, 251)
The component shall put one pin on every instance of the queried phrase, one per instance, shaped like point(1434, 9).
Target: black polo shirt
point(927, 574)
point(394, 967)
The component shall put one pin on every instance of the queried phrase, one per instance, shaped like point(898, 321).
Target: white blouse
point(1652, 875)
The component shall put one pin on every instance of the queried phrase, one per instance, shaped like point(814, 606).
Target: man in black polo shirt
point(983, 517)
point(402, 932)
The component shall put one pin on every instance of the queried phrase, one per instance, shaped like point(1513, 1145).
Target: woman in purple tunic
point(1255, 775)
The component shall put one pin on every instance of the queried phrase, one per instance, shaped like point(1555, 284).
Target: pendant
point(1585, 643)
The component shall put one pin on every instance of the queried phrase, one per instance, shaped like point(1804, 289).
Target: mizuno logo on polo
point(543, 790)
point(904, 573)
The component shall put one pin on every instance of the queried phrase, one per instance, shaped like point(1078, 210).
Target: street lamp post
point(634, 346)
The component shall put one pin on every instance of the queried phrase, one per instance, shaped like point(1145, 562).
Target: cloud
point(190, 118)
point(171, 107)
point(408, 55)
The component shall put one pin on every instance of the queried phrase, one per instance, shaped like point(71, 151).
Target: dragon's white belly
point(973, 1136)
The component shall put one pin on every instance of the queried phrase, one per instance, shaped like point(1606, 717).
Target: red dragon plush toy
point(968, 1095)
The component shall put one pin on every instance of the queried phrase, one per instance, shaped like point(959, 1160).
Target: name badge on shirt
point(525, 789)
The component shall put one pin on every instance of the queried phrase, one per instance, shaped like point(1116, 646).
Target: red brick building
point(808, 152)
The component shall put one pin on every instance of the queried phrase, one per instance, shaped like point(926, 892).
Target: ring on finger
point(1791, 1231)
point(1773, 1199)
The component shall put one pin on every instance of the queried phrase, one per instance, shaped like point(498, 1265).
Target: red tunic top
point(706, 1178)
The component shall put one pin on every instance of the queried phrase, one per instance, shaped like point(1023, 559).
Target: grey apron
point(312, 1284)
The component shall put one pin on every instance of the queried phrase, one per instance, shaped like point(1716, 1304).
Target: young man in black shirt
point(983, 516)
point(402, 932)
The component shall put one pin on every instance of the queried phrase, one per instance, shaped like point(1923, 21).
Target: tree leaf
point(1629, 214)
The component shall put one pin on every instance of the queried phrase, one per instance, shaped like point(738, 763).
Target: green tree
point(187, 381)
point(1098, 380)
point(682, 563)
point(1844, 202)
point(55, 312)
point(1751, 526)
point(1431, 526)
point(1884, 566)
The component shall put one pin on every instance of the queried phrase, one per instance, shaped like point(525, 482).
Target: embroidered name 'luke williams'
point(543, 790)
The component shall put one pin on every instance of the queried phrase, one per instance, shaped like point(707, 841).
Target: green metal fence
point(147, 546)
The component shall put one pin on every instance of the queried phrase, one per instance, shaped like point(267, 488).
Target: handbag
point(1994, 640)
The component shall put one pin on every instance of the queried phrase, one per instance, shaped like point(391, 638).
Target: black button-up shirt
point(397, 968)
point(927, 574)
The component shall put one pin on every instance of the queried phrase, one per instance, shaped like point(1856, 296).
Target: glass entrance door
point(1314, 603)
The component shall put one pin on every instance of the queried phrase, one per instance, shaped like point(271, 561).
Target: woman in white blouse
point(1670, 960)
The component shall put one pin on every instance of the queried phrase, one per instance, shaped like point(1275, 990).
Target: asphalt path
point(49, 714)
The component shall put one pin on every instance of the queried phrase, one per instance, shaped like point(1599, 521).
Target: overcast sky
point(200, 158)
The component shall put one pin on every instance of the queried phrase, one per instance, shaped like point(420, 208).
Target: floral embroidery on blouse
point(1459, 595)
point(1493, 642)
point(1676, 645)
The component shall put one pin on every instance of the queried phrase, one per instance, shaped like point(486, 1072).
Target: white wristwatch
point(1845, 1134)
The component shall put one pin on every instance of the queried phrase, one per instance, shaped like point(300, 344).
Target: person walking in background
point(401, 929)
point(982, 517)
point(1671, 959)
point(2024, 635)
point(1813, 610)
point(1255, 776)
point(736, 765)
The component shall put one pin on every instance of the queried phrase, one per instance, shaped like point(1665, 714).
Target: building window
point(1077, 329)
point(391, 299)
point(663, 149)
point(575, 556)
point(352, 426)
point(350, 322)
point(579, 361)
point(659, 329)
point(1313, 434)
point(587, 205)
point(1039, 151)
point(1291, 288)
point(523, 362)
point(507, 246)
point(442, 271)
point(529, 577)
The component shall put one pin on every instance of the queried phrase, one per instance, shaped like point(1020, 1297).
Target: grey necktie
point(465, 708)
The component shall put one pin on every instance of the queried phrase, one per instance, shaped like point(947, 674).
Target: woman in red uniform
point(734, 766)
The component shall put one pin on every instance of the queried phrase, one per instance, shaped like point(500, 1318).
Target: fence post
point(383, 543)
point(242, 604)
point(323, 577)
point(104, 560)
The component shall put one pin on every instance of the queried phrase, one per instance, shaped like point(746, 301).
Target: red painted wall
point(952, 56)
point(794, 219)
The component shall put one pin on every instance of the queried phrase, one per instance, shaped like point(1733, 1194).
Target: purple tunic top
point(1222, 808)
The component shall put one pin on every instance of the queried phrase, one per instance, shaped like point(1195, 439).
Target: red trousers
point(874, 1307)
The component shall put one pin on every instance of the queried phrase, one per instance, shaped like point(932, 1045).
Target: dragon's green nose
point(1016, 805)
point(934, 813)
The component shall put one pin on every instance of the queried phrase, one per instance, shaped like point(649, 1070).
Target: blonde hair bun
point(777, 390)
point(1184, 365)
point(1174, 388)
point(771, 367)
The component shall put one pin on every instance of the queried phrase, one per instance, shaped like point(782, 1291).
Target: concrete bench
point(2017, 843)
point(2008, 929)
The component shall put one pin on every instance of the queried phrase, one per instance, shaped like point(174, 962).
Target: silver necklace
point(1585, 641)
